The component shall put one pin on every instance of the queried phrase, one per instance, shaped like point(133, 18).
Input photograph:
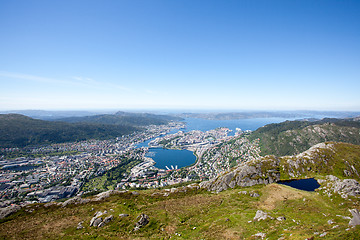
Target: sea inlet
point(170, 158)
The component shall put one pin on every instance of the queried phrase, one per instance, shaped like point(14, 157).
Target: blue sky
point(236, 55)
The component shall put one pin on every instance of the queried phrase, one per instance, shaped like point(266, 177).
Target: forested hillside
point(20, 131)
point(124, 118)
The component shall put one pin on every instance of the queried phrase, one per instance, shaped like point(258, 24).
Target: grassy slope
point(341, 156)
point(216, 216)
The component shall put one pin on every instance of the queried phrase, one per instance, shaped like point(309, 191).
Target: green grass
point(196, 214)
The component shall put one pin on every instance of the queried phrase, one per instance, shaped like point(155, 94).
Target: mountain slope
point(124, 118)
point(194, 213)
point(339, 159)
point(293, 137)
point(19, 131)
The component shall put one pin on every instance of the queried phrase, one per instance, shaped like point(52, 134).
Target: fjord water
point(245, 124)
point(167, 157)
point(309, 184)
point(183, 158)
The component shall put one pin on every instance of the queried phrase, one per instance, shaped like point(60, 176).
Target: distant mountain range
point(19, 131)
point(52, 115)
point(269, 114)
point(124, 118)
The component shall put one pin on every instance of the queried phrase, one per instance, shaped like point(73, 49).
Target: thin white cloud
point(75, 80)
point(31, 77)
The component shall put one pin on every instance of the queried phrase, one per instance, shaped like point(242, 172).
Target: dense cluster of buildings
point(50, 177)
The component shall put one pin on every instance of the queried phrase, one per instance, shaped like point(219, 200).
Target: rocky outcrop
point(75, 200)
point(261, 171)
point(322, 158)
point(4, 212)
point(95, 218)
point(103, 195)
point(345, 188)
point(144, 220)
point(98, 221)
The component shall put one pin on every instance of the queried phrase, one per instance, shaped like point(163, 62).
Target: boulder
point(123, 215)
point(108, 219)
point(101, 224)
point(97, 222)
point(356, 217)
point(260, 215)
point(144, 220)
point(96, 216)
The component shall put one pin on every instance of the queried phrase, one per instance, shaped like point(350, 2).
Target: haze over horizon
point(246, 55)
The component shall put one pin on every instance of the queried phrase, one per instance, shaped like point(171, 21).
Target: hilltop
point(239, 212)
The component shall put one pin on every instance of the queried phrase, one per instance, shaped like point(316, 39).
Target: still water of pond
point(309, 184)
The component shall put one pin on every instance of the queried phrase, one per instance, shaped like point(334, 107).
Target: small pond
point(309, 184)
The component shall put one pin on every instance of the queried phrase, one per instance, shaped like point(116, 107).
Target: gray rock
point(346, 187)
point(330, 222)
point(282, 218)
point(144, 220)
point(101, 225)
point(246, 174)
point(262, 235)
point(97, 222)
point(108, 219)
point(135, 193)
point(356, 217)
point(80, 226)
point(260, 215)
point(74, 200)
point(103, 195)
point(254, 194)
point(96, 216)
point(4, 212)
point(123, 215)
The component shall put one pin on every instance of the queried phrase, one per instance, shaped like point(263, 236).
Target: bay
point(167, 157)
